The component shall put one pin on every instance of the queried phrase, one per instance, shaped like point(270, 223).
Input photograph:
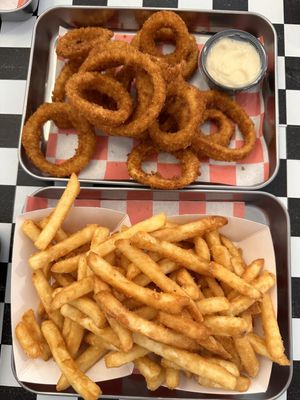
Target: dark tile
point(3, 276)
point(160, 3)
point(89, 2)
point(292, 72)
point(14, 62)
point(294, 389)
point(16, 393)
point(282, 106)
point(24, 179)
point(294, 212)
point(291, 12)
point(13, 226)
point(7, 198)
point(278, 185)
point(9, 130)
point(293, 142)
point(295, 298)
point(240, 5)
point(280, 38)
point(6, 329)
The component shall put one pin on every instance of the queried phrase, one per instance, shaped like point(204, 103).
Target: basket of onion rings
point(137, 91)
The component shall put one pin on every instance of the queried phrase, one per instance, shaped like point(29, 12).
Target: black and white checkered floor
point(15, 42)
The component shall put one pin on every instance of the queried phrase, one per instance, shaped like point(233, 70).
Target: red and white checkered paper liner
point(147, 205)
point(12, 4)
point(109, 160)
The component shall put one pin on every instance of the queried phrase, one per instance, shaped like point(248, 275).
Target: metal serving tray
point(20, 13)
point(259, 207)
point(204, 22)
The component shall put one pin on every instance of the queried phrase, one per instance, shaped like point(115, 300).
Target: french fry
point(228, 345)
point(191, 229)
point(172, 378)
point(259, 346)
point(212, 238)
point(67, 265)
point(237, 261)
point(90, 308)
point(166, 266)
point(148, 225)
point(164, 301)
point(215, 288)
point(80, 382)
point(108, 340)
point(137, 324)
point(187, 283)
point(213, 305)
point(146, 312)
point(73, 338)
point(63, 280)
point(123, 334)
point(188, 327)
point(247, 355)
point(229, 365)
point(83, 270)
point(31, 230)
point(60, 249)
point(221, 255)
point(116, 359)
point(271, 329)
point(188, 361)
point(201, 248)
point(225, 325)
point(84, 362)
point(60, 233)
point(147, 367)
point(132, 271)
point(72, 292)
point(59, 214)
point(181, 256)
point(45, 291)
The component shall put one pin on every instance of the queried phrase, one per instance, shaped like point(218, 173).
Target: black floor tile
point(89, 2)
point(282, 106)
point(280, 38)
point(3, 276)
point(292, 73)
point(293, 142)
point(14, 63)
point(7, 197)
point(295, 297)
point(6, 329)
point(293, 208)
point(160, 3)
point(239, 5)
point(9, 130)
point(278, 185)
point(291, 12)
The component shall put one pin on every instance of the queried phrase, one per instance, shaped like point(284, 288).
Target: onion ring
point(58, 112)
point(225, 127)
point(59, 91)
point(188, 161)
point(181, 139)
point(201, 143)
point(165, 19)
point(77, 43)
point(119, 53)
point(96, 114)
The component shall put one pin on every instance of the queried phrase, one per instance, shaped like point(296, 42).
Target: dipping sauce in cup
point(233, 61)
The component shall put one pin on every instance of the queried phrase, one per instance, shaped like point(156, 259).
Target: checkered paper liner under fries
point(252, 238)
point(109, 160)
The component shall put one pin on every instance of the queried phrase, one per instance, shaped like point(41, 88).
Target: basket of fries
point(188, 302)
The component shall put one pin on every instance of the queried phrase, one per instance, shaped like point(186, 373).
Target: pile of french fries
point(167, 297)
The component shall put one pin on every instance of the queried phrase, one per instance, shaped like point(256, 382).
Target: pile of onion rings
point(137, 90)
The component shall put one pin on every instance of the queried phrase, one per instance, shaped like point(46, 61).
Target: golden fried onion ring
point(188, 161)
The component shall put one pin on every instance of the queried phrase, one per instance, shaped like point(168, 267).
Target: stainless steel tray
point(259, 207)
point(204, 22)
point(20, 13)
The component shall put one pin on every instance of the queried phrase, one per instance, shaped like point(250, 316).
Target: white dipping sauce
point(233, 63)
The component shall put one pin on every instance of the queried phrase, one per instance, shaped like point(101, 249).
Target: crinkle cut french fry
point(59, 214)
point(53, 253)
point(148, 225)
point(188, 361)
point(72, 292)
point(181, 256)
point(85, 361)
point(271, 329)
point(77, 379)
point(45, 291)
point(225, 325)
point(191, 229)
point(116, 359)
point(135, 323)
point(247, 355)
point(164, 301)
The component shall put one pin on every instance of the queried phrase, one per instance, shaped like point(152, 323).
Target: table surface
point(15, 42)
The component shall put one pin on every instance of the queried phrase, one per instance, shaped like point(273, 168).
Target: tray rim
point(261, 194)
point(129, 183)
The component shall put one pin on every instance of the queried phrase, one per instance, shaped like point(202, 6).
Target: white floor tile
point(8, 166)
point(273, 10)
point(282, 141)
point(6, 377)
point(21, 194)
point(12, 96)
point(292, 107)
point(282, 397)
point(127, 3)
point(7, 287)
point(293, 187)
point(296, 341)
point(196, 5)
point(17, 34)
point(5, 232)
point(45, 4)
point(281, 72)
point(291, 40)
point(295, 256)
